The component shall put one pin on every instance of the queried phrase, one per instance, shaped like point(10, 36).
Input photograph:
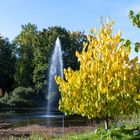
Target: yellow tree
point(106, 83)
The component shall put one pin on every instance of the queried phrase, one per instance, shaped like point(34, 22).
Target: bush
point(21, 97)
point(4, 100)
point(26, 93)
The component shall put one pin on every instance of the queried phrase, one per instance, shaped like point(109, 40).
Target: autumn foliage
point(107, 81)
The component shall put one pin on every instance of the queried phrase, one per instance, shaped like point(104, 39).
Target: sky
point(74, 15)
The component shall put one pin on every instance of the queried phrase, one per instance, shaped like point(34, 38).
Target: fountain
point(56, 68)
point(53, 96)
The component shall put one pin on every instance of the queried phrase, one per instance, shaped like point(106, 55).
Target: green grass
point(99, 134)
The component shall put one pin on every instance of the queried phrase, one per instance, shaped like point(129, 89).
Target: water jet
point(55, 68)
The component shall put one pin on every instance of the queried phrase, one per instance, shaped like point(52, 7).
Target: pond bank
point(26, 131)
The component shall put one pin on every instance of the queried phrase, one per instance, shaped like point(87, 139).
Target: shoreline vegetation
point(123, 127)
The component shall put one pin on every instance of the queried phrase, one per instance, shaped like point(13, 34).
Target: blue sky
point(74, 15)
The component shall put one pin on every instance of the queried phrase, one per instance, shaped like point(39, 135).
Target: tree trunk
point(106, 123)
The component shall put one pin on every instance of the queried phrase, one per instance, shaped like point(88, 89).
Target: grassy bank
point(122, 128)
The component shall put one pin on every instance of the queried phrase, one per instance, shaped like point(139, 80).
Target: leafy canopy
point(106, 83)
point(135, 19)
point(25, 44)
point(7, 64)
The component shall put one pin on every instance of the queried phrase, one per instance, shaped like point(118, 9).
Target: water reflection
point(23, 117)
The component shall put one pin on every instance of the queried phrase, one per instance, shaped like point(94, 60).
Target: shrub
point(21, 97)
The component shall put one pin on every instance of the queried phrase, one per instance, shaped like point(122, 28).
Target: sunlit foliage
point(106, 83)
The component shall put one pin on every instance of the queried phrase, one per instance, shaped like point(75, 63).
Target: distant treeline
point(24, 63)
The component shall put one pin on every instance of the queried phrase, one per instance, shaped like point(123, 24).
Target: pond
point(18, 117)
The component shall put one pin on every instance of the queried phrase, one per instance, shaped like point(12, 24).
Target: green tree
point(75, 44)
point(42, 54)
point(7, 64)
point(25, 44)
point(71, 41)
point(106, 83)
point(34, 48)
point(135, 19)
